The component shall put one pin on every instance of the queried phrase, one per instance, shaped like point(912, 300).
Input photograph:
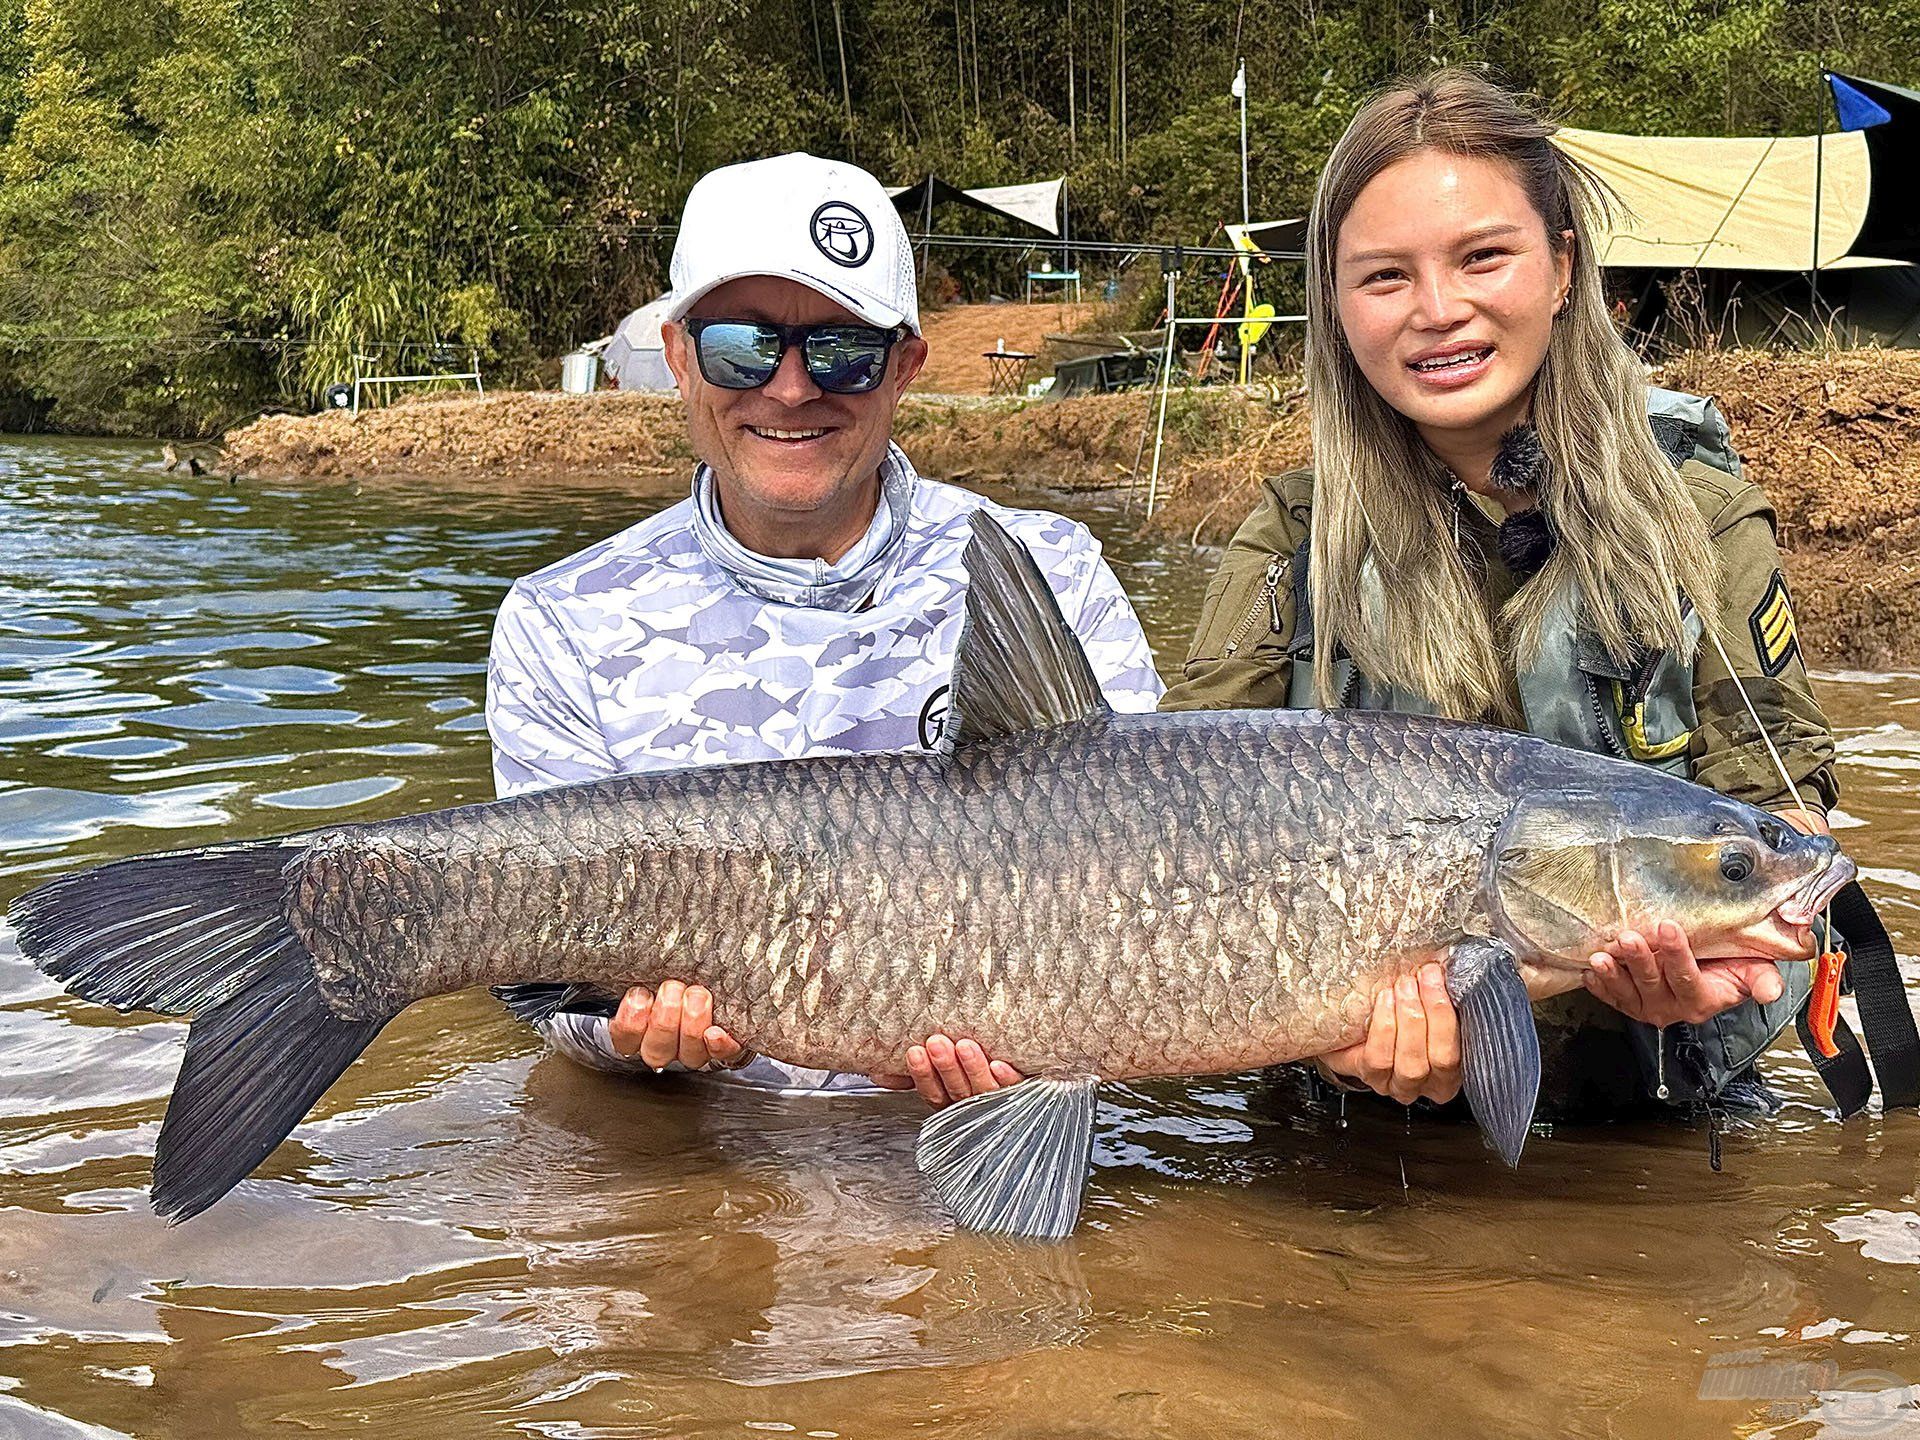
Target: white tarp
point(1745, 203)
point(1038, 204)
point(634, 358)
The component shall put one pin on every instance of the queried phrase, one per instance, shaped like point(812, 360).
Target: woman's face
point(1448, 288)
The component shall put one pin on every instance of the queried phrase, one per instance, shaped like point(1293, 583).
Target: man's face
point(789, 451)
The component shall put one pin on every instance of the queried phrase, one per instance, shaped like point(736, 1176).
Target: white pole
point(1166, 380)
point(1240, 89)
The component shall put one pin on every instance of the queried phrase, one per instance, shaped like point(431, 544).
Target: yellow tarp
point(1738, 204)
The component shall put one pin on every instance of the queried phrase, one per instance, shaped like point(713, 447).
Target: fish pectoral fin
point(1499, 1046)
point(542, 1000)
point(1014, 1161)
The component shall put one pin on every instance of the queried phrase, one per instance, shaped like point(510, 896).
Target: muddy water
point(470, 1239)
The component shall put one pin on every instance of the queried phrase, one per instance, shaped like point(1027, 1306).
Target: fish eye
point(1735, 864)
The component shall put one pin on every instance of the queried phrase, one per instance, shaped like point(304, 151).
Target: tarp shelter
point(633, 359)
point(1271, 239)
point(1888, 116)
point(1746, 203)
point(1744, 216)
point(1037, 205)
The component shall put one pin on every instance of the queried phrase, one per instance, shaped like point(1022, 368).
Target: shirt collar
point(845, 585)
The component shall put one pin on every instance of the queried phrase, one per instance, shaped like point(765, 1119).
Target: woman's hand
point(1655, 978)
point(675, 1024)
point(1412, 1049)
point(944, 1072)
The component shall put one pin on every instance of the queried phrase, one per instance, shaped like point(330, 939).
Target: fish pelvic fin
point(1014, 1161)
point(1499, 1045)
point(203, 933)
point(1019, 665)
point(535, 1001)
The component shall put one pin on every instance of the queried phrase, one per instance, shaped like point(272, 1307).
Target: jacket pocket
point(1245, 608)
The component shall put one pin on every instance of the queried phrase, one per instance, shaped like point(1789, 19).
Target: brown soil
point(1834, 438)
point(958, 337)
point(508, 433)
point(1835, 441)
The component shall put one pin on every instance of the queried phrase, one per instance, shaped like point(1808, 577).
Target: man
point(806, 599)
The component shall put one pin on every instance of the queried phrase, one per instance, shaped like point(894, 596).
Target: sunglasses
point(840, 359)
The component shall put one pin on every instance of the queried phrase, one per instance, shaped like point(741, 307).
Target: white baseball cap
point(824, 223)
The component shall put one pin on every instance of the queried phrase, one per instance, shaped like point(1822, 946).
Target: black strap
point(1892, 1038)
point(1845, 1075)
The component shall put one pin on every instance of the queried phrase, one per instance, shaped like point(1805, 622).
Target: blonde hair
point(1629, 539)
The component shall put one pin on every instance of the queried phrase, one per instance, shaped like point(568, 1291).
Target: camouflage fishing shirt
point(662, 647)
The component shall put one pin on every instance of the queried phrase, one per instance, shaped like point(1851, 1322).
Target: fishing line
point(1766, 739)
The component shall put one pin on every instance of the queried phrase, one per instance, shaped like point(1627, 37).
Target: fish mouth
point(1806, 903)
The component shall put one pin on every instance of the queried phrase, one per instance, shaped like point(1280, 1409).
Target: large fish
point(1091, 896)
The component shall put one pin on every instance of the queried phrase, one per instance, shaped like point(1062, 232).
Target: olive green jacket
point(1243, 650)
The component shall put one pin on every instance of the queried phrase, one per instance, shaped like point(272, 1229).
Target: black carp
point(1091, 896)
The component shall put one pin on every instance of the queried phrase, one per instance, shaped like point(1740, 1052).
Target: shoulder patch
point(1775, 641)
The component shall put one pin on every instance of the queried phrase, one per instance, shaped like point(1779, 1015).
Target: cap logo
point(842, 234)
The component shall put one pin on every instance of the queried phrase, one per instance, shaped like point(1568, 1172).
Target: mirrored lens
point(738, 356)
point(847, 359)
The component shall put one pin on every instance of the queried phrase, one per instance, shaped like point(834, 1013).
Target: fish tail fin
point(203, 933)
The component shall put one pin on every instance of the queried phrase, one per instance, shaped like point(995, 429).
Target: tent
point(633, 358)
point(1737, 223)
point(1746, 203)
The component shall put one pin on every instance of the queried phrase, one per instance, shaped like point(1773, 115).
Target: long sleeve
point(1116, 645)
point(540, 708)
point(1239, 656)
point(1758, 634)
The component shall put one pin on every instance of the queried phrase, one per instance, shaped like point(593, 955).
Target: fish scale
point(851, 884)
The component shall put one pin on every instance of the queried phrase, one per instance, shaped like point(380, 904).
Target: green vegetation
point(319, 177)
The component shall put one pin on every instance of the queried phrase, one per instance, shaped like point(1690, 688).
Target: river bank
point(1834, 438)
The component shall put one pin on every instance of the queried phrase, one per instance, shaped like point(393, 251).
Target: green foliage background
point(316, 177)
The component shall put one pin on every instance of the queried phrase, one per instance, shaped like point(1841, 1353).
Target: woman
point(1497, 532)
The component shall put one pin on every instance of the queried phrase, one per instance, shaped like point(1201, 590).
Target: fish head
point(1571, 869)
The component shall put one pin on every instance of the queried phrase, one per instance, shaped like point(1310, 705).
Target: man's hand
point(1655, 978)
point(1412, 1049)
point(944, 1072)
point(675, 1024)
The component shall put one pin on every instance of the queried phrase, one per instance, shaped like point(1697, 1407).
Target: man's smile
point(789, 435)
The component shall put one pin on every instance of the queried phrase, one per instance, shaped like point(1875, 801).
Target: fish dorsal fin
point(1019, 665)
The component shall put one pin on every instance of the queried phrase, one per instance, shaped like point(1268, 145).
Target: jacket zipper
point(1614, 747)
point(1270, 597)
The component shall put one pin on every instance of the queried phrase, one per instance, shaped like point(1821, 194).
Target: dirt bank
point(510, 434)
point(1835, 441)
point(1834, 438)
point(959, 336)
